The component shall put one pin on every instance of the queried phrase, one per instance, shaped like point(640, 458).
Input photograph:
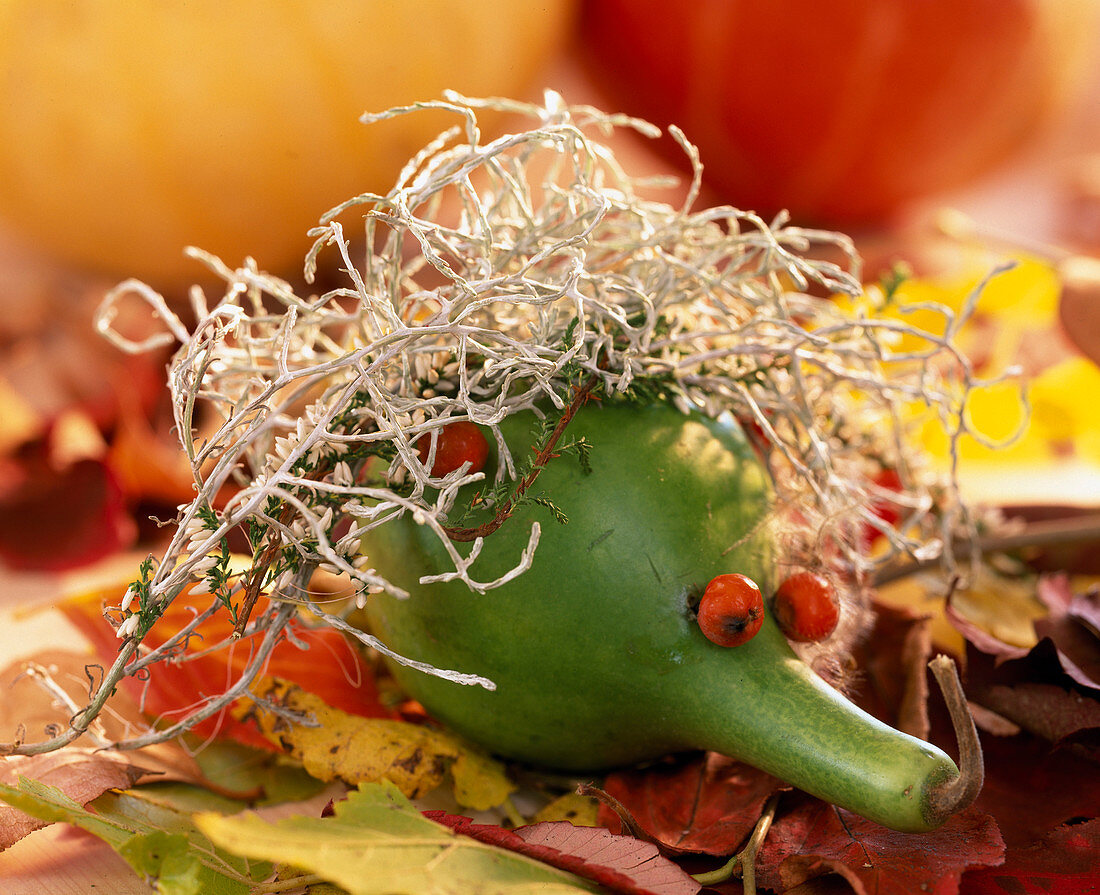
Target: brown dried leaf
point(81, 774)
point(1072, 627)
point(618, 863)
point(29, 703)
point(893, 660)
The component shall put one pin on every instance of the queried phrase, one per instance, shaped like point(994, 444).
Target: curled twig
point(957, 793)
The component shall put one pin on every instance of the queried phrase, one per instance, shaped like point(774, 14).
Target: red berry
point(731, 610)
point(456, 443)
point(889, 512)
point(806, 607)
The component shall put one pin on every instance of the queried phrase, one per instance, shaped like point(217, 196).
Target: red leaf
point(1072, 628)
point(1066, 862)
point(706, 804)
point(328, 666)
point(1031, 788)
point(817, 839)
point(57, 519)
point(620, 863)
point(894, 659)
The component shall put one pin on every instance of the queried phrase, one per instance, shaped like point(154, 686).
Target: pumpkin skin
point(132, 130)
point(595, 650)
point(842, 113)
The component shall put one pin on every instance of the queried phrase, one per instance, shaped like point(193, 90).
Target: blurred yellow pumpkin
point(130, 130)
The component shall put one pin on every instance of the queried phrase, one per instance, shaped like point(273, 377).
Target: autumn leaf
point(52, 519)
point(378, 843)
point(1073, 626)
point(997, 614)
point(81, 774)
point(319, 659)
point(579, 810)
point(1031, 788)
point(179, 858)
point(43, 690)
point(893, 660)
point(815, 839)
point(1051, 689)
point(706, 804)
point(415, 758)
point(149, 466)
point(619, 863)
point(1064, 862)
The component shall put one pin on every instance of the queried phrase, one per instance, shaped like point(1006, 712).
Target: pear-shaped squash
point(595, 651)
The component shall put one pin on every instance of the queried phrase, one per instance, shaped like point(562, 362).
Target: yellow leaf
point(579, 810)
point(1003, 607)
point(416, 759)
point(916, 593)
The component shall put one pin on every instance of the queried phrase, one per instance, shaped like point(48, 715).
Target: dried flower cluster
point(500, 277)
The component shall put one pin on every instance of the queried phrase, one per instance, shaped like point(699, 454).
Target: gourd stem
point(744, 860)
point(957, 793)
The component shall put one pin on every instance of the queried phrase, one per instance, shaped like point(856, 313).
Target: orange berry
point(806, 607)
point(456, 443)
point(731, 610)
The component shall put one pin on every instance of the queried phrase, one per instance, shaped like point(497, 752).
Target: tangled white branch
point(496, 277)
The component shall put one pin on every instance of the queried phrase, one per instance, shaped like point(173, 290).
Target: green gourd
point(595, 652)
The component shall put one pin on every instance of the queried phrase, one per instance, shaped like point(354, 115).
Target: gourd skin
point(595, 651)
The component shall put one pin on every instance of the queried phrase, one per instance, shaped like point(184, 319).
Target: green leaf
point(244, 771)
point(378, 843)
point(158, 842)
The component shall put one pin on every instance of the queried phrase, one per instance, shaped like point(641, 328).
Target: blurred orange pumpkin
point(841, 112)
point(130, 130)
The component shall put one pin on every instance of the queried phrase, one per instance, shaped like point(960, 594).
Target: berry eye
point(731, 610)
point(806, 607)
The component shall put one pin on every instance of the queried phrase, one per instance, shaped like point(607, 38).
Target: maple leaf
point(704, 804)
point(1031, 788)
point(815, 839)
point(320, 659)
point(1064, 862)
point(619, 863)
point(415, 758)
